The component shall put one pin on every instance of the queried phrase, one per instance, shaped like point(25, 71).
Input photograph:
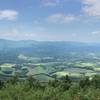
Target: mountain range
point(46, 48)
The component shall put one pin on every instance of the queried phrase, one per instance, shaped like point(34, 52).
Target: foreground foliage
point(31, 89)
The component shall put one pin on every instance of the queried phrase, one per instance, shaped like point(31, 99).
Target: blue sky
point(50, 20)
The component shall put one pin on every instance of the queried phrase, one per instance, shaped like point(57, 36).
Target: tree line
point(32, 89)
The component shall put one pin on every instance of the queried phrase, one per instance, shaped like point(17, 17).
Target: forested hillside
point(31, 89)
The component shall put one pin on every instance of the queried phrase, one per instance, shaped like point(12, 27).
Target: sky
point(50, 20)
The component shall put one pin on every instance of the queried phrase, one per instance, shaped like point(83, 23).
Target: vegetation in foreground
point(31, 89)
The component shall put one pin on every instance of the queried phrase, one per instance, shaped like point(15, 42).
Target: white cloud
point(53, 3)
point(62, 18)
point(96, 33)
point(50, 2)
point(14, 34)
point(91, 7)
point(8, 14)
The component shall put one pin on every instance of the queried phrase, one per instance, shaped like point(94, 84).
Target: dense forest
point(32, 89)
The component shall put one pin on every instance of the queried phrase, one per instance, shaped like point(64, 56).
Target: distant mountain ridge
point(25, 43)
point(30, 47)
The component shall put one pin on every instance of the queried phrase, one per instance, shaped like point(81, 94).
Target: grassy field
point(7, 65)
point(36, 70)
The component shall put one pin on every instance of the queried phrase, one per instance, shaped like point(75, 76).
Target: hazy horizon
point(50, 20)
point(9, 39)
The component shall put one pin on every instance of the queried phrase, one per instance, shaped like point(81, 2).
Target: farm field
point(42, 69)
